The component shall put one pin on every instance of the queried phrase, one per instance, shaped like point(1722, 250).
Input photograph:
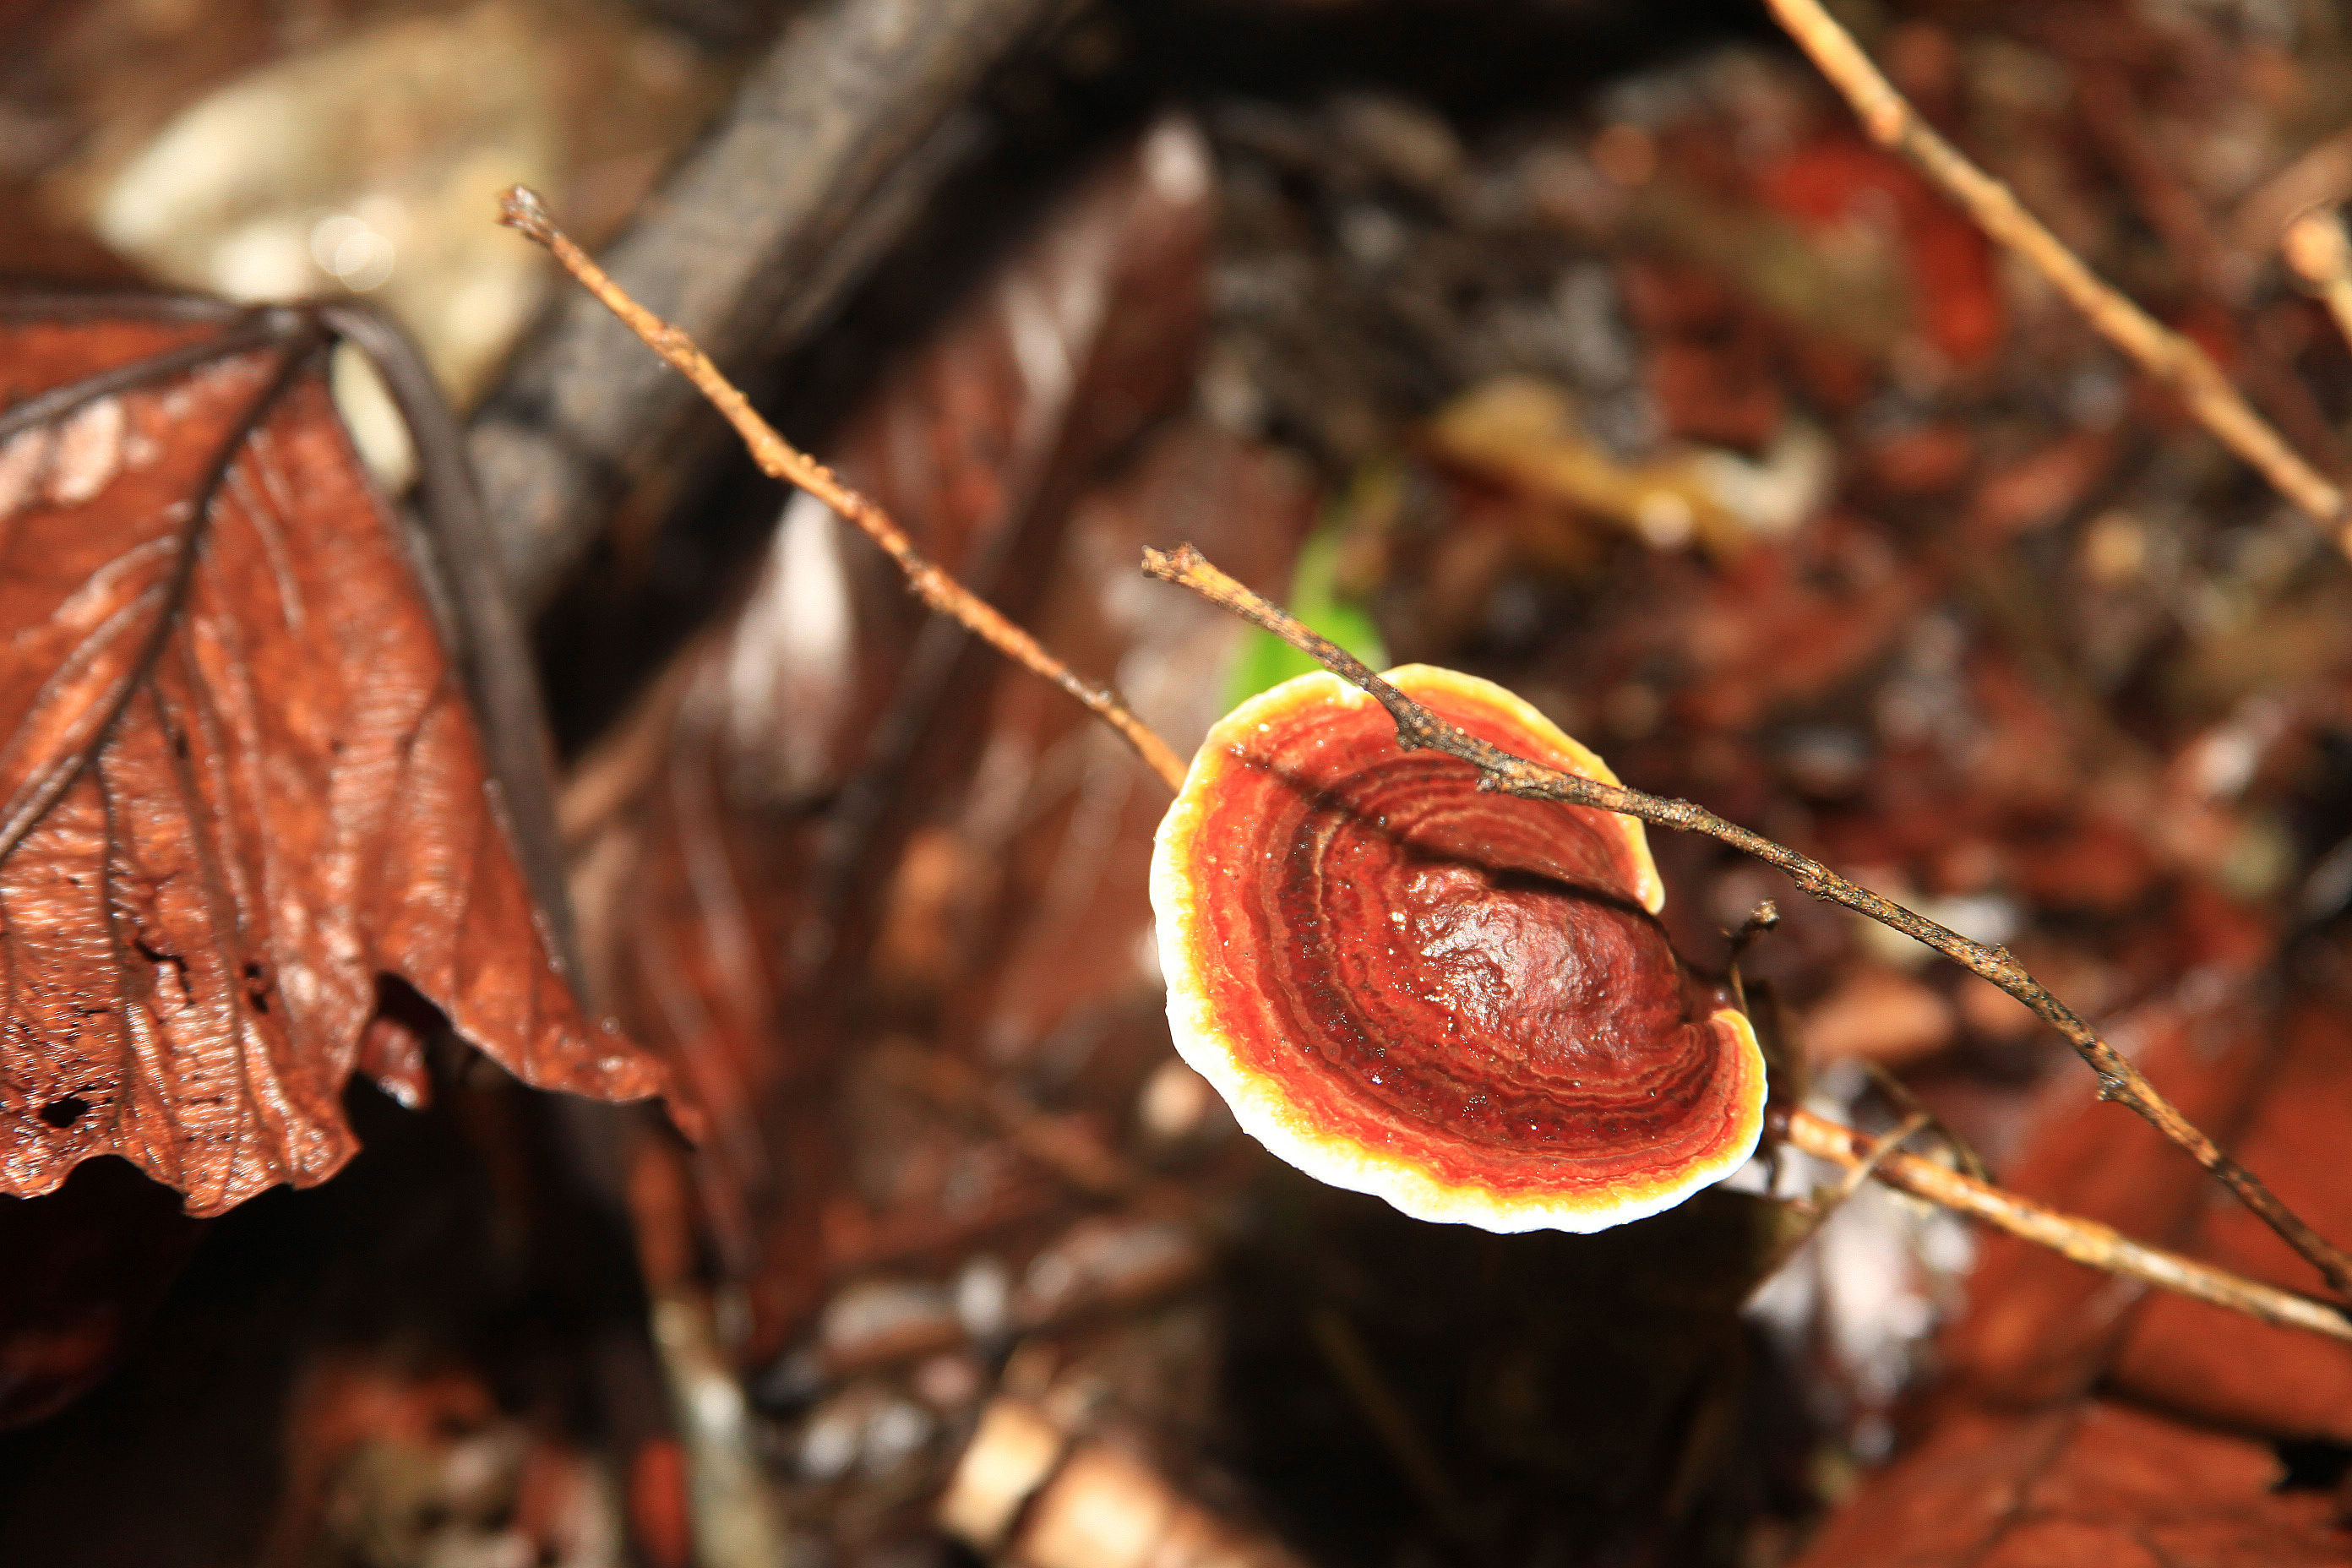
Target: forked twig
point(2086, 1241)
point(1418, 729)
point(1818, 1210)
point(2165, 354)
point(521, 208)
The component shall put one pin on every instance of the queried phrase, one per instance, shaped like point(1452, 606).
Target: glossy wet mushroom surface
point(1457, 1000)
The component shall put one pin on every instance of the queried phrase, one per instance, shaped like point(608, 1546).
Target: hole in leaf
point(65, 1111)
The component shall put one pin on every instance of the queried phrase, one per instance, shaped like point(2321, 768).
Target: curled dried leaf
point(239, 779)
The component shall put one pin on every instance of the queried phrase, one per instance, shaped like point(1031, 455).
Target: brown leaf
point(2227, 1368)
point(1054, 935)
point(239, 779)
point(2038, 1327)
point(2090, 1485)
point(1878, 1013)
point(708, 872)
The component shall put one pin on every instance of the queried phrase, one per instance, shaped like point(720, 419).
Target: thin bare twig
point(2315, 247)
point(1409, 1447)
point(1420, 730)
point(2086, 1241)
point(1818, 1210)
point(521, 208)
point(2165, 354)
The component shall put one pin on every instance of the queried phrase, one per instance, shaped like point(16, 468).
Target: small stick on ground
point(1418, 729)
point(1351, 1361)
point(2165, 354)
point(521, 208)
point(2086, 1241)
point(836, 136)
point(2315, 247)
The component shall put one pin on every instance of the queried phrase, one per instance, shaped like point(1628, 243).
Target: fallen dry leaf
point(2039, 1328)
point(2091, 1484)
point(727, 845)
point(2227, 1369)
point(1879, 1014)
point(1052, 942)
point(240, 781)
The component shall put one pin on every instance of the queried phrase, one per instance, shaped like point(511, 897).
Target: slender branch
point(522, 208)
point(1764, 917)
point(2086, 1241)
point(1418, 729)
point(2315, 247)
point(2167, 356)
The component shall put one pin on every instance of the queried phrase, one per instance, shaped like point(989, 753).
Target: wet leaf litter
point(1731, 448)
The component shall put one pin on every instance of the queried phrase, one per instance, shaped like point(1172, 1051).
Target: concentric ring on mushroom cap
point(1457, 1000)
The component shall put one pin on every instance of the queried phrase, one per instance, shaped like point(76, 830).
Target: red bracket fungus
point(1454, 999)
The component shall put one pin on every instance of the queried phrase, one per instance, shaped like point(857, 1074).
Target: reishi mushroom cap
point(1457, 1000)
